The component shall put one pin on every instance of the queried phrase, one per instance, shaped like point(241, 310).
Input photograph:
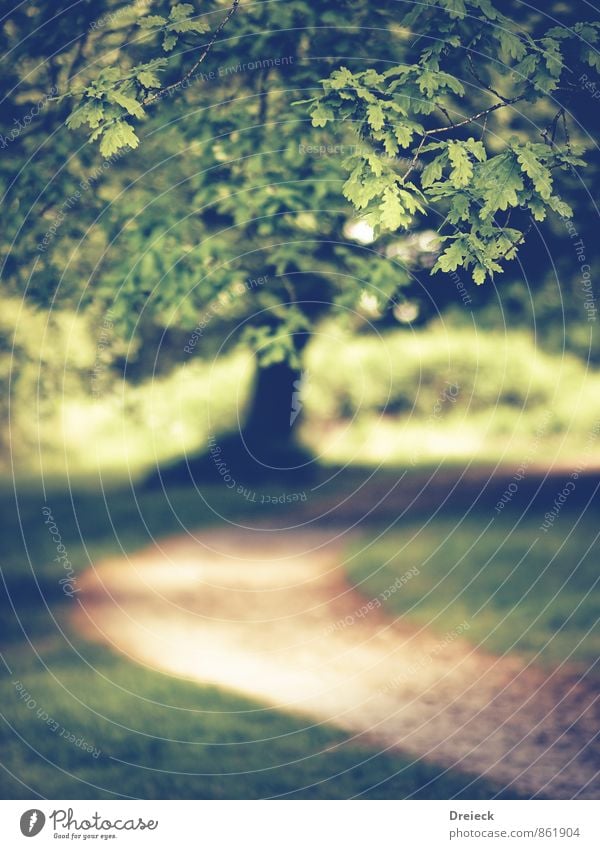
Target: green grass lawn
point(518, 588)
point(157, 737)
point(162, 738)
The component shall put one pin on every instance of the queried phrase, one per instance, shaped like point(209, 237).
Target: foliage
point(210, 174)
point(395, 115)
point(367, 400)
point(405, 375)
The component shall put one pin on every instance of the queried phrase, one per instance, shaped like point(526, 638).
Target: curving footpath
point(270, 615)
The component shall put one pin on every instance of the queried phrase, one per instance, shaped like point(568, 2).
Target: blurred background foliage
point(440, 393)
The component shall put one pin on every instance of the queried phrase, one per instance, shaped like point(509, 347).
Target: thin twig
point(415, 159)
point(515, 243)
point(566, 131)
point(483, 113)
point(445, 113)
point(484, 128)
point(427, 133)
point(481, 82)
point(551, 128)
point(158, 94)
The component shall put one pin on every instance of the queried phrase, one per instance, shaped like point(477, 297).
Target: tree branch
point(452, 126)
point(207, 48)
point(551, 128)
point(482, 114)
point(481, 82)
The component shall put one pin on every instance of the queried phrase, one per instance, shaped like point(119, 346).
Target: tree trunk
point(266, 448)
point(274, 415)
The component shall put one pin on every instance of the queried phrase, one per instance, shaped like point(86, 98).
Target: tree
point(248, 135)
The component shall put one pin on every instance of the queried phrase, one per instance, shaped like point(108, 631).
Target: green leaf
point(552, 55)
point(433, 172)
point(169, 41)
point(91, 112)
point(118, 135)
point(460, 208)
point(588, 31)
point(450, 82)
point(181, 11)
point(433, 146)
point(479, 274)
point(538, 208)
point(592, 58)
point(462, 167)
point(453, 257)
point(148, 79)
point(321, 114)
point(525, 69)
point(498, 182)
point(510, 44)
point(536, 171)
point(372, 78)
point(189, 26)
point(151, 21)
point(375, 163)
point(410, 199)
point(476, 147)
point(429, 83)
point(375, 116)
point(392, 213)
point(109, 75)
point(342, 78)
point(404, 134)
point(560, 207)
point(360, 191)
point(456, 8)
point(390, 144)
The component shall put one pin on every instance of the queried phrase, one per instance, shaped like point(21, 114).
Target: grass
point(519, 589)
point(163, 738)
point(157, 737)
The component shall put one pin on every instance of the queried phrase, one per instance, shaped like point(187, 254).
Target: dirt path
point(256, 612)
